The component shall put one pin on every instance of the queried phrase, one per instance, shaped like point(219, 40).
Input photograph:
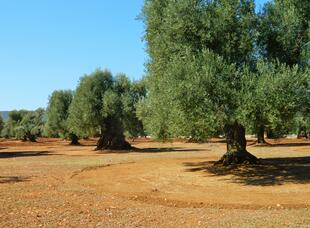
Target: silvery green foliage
point(102, 99)
point(195, 49)
point(273, 95)
point(31, 125)
point(15, 117)
point(1, 124)
point(284, 31)
point(210, 65)
point(57, 113)
point(85, 113)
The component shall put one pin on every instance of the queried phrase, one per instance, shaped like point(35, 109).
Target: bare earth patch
point(51, 184)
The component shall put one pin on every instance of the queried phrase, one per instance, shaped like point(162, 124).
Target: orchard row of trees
point(102, 106)
point(24, 125)
point(215, 67)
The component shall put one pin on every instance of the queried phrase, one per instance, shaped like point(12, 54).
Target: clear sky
point(49, 44)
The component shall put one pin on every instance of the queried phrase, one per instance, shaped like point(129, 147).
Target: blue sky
point(49, 44)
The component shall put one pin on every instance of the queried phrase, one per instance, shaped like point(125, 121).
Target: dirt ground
point(174, 184)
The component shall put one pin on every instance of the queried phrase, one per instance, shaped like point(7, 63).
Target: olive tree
point(57, 115)
point(31, 125)
point(272, 97)
point(197, 49)
point(284, 36)
point(203, 73)
point(284, 32)
point(135, 93)
point(1, 124)
point(14, 119)
point(100, 106)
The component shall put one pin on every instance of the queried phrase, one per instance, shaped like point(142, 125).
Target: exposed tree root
point(239, 157)
point(107, 143)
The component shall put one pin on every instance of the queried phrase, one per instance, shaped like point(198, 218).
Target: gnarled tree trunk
point(270, 134)
point(31, 137)
point(260, 131)
point(302, 133)
point(236, 146)
point(112, 136)
point(74, 139)
point(24, 138)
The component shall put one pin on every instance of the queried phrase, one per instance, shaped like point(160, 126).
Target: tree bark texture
point(74, 139)
point(260, 134)
point(236, 146)
point(112, 136)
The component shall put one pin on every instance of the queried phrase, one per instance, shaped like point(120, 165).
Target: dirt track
point(52, 184)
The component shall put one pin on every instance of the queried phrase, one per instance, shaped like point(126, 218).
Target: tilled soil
point(51, 184)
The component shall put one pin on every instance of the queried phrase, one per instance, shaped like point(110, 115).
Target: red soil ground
point(51, 184)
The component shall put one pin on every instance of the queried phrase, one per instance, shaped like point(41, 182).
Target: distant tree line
point(102, 106)
point(24, 125)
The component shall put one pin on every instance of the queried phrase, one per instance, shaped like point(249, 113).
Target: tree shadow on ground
point(292, 144)
point(25, 154)
point(13, 179)
point(270, 171)
point(80, 145)
point(224, 141)
point(151, 150)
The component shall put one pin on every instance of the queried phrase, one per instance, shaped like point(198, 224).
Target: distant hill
point(4, 114)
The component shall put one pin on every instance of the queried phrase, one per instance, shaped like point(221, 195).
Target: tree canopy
point(284, 36)
point(32, 125)
point(1, 124)
point(284, 32)
point(215, 67)
point(57, 115)
point(25, 125)
point(14, 119)
point(104, 105)
point(210, 71)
